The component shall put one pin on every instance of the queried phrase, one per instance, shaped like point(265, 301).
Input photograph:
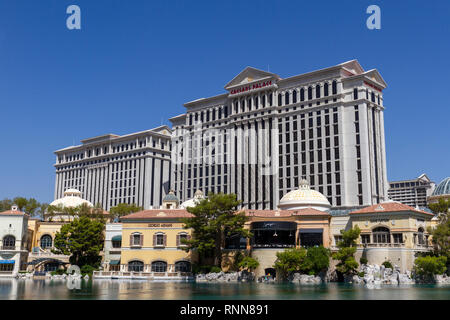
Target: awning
point(310, 230)
point(116, 238)
point(7, 261)
point(114, 262)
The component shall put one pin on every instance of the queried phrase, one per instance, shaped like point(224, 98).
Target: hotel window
point(325, 89)
point(279, 99)
point(365, 238)
point(182, 266)
point(159, 266)
point(334, 87)
point(270, 100)
point(159, 239)
point(381, 235)
point(136, 240)
point(337, 239)
point(355, 93)
point(181, 237)
point(309, 93)
point(302, 94)
point(9, 243)
point(420, 237)
point(398, 237)
point(318, 91)
point(294, 96)
point(135, 266)
point(286, 98)
point(46, 241)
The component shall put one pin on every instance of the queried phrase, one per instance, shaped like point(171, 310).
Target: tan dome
point(304, 197)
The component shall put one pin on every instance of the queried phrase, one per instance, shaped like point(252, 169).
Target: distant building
point(413, 192)
point(442, 191)
point(113, 169)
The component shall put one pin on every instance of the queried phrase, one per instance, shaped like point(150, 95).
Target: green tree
point(214, 219)
point(429, 266)
point(347, 248)
point(123, 209)
point(82, 239)
point(248, 263)
point(20, 202)
point(288, 261)
point(441, 207)
point(317, 259)
point(5, 205)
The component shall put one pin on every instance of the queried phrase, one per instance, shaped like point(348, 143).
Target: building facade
point(266, 133)
point(113, 169)
point(392, 231)
point(14, 242)
point(413, 193)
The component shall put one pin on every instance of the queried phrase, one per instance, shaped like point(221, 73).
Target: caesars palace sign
point(252, 87)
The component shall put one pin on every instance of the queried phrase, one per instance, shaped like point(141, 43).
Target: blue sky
point(134, 63)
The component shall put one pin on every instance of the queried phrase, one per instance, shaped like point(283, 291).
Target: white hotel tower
point(113, 169)
point(265, 134)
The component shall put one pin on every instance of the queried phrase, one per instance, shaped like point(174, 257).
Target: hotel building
point(413, 192)
point(266, 133)
point(113, 169)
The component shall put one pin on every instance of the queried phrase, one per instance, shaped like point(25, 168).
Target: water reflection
point(47, 289)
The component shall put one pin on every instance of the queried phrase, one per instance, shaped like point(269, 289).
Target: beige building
point(392, 231)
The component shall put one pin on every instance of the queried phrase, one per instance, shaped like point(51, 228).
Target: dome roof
point(198, 196)
point(442, 188)
point(304, 197)
point(72, 198)
point(171, 197)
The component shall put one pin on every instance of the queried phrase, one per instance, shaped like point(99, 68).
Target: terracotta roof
point(285, 213)
point(8, 212)
point(158, 213)
point(392, 206)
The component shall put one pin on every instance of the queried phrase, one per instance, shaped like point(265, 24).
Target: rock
point(404, 278)
point(305, 279)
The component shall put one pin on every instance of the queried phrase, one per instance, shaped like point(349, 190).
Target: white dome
point(198, 196)
point(72, 198)
point(304, 197)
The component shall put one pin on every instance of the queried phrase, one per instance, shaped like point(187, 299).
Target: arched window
point(325, 89)
point(279, 99)
point(159, 266)
point(286, 98)
point(294, 96)
point(373, 96)
point(302, 94)
point(135, 266)
point(334, 87)
point(420, 237)
point(182, 266)
point(318, 91)
point(46, 241)
point(381, 235)
point(309, 93)
point(9, 242)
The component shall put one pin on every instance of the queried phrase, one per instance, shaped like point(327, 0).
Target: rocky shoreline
point(54, 277)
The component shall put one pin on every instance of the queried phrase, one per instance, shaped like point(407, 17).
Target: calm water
point(138, 290)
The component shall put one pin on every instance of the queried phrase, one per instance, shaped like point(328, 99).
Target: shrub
point(87, 270)
point(429, 266)
point(388, 264)
point(317, 259)
point(249, 263)
point(361, 274)
point(215, 269)
point(58, 272)
point(363, 260)
point(288, 261)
